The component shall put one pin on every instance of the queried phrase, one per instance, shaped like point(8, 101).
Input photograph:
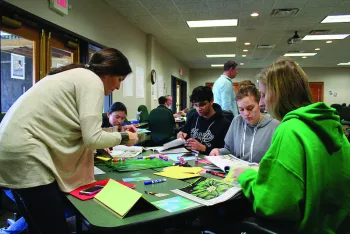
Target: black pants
point(43, 208)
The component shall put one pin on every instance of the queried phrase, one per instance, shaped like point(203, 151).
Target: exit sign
point(60, 6)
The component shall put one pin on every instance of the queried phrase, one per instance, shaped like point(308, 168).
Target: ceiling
point(166, 20)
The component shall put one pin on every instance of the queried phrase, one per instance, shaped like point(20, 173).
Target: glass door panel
point(60, 57)
point(17, 67)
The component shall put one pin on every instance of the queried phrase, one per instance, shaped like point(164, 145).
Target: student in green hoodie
point(304, 178)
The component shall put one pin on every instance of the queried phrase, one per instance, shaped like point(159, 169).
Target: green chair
point(144, 116)
point(161, 125)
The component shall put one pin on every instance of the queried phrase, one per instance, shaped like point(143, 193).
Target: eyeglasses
point(200, 104)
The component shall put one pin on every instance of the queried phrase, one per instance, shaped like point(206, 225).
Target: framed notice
point(60, 6)
point(17, 66)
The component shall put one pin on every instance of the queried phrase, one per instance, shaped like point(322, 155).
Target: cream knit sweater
point(50, 132)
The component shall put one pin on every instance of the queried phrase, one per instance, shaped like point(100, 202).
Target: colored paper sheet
point(118, 198)
point(175, 204)
point(174, 157)
point(179, 173)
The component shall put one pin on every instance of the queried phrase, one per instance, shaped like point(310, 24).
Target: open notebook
point(229, 160)
point(172, 147)
point(123, 151)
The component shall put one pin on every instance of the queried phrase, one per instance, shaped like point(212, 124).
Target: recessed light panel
point(325, 37)
point(336, 19)
point(217, 39)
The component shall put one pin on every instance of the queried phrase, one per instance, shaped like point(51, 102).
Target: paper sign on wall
point(140, 81)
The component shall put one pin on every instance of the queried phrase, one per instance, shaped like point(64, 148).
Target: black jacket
point(209, 132)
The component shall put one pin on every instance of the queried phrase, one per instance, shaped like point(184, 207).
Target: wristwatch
point(125, 137)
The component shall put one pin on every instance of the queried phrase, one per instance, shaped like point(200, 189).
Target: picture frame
point(17, 66)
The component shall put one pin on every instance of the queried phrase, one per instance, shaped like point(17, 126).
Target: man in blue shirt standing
point(224, 94)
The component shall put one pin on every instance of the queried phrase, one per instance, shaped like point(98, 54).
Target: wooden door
point(316, 91)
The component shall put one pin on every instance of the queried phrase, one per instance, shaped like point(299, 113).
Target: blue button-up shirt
point(224, 94)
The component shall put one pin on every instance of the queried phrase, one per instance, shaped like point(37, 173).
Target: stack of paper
point(230, 161)
point(179, 173)
point(123, 151)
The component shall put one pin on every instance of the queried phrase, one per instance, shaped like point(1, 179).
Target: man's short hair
point(167, 96)
point(162, 100)
point(230, 64)
point(201, 93)
point(117, 106)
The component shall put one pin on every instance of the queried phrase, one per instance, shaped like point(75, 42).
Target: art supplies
point(216, 173)
point(122, 200)
point(175, 204)
point(177, 172)
point(157, 194)
point(76, 192)
point(154, 181)
point(141, 178)
point(123, 151)
point(209, 191)
point(135, 164)
point(142, 131)
point(176, 157)
point(228, 160)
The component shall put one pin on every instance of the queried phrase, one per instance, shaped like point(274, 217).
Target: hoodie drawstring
point(252, 143)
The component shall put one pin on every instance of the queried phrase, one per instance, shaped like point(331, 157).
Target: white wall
point(96, 20)
point(335, 79)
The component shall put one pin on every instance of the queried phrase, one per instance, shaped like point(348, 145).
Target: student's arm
point(89, 99)
point(277, 190)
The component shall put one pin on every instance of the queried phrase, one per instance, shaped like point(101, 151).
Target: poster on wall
point(17, 66)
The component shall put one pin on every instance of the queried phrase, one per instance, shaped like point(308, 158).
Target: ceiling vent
point(265, 46)
point(319, 32)
point(286, 12)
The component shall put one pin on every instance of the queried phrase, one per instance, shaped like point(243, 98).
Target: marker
point(215, 173)
point(154, 181)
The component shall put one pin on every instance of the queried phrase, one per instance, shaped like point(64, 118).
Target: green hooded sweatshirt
point(304, 177)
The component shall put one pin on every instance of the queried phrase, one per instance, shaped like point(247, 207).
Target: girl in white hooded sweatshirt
point(250, 133)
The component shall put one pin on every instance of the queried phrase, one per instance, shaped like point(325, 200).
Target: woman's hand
point(133, 138)
point(130, 128)
point(181, 135)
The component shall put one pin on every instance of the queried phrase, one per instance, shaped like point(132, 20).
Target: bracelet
point(125, 137)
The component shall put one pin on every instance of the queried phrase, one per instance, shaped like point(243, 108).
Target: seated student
point(116, 117)
point(207, 128)
point(250, 133)
point(304, 178)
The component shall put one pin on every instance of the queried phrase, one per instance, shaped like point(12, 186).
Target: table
point(100, 219)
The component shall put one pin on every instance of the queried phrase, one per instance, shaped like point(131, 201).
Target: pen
point(215, 173)
point(154, 181)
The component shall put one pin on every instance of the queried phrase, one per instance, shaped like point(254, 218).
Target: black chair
point(259, 225)
point(228, 115)
point(338, 108)
point(345, 114)
point(161, 125)
point(144, 116)
point(190, 112)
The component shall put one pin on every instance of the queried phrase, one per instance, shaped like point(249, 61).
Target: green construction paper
point(138, 164)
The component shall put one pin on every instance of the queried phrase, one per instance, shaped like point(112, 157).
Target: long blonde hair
point(287, 87)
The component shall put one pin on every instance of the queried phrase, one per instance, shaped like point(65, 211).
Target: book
point(123, 151)
point(229, 160)
point(122, 200)
point(209, 191)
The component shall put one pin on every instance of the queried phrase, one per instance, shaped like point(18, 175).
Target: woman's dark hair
point(118, 106)
point(201, 93)
point(104, 62)
point(248, 90)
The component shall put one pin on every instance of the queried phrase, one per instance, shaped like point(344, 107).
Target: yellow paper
point(183, 169)
point(103, 158)
point(118, 197)
point(176, 175)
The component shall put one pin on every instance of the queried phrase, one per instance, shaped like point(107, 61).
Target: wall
point(99, 22)
point(335, 79)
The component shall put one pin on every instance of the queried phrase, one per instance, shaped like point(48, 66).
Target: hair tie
point(87, 65)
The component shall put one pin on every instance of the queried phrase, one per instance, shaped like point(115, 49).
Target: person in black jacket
point(116, 117)
point(206, 129)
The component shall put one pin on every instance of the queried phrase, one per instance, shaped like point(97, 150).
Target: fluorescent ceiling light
point(328, 42)
point(344, 64)
point(244, 55)
point(212, 23)
point(247, 43)
point(317, 49)
point(254, 14)
point(217, 65)
point(217, 39)
point(299, 54)
point(325, 37)
point(304, 57)
point(220, 55)
point(336, 19)
point(241, 64)
point(245, 50)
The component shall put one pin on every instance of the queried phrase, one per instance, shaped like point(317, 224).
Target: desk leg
point(78, 224)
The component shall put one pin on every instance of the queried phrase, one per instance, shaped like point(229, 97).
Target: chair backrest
point(144, 116)
point(190, 112)
point(228, 115)
point(345, 113)
point(161, 125)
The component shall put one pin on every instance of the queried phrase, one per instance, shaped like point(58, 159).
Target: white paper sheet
point(128, 86)
point(160, 85)
point(140, 82)
point(98, 171)
point(227, 160)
